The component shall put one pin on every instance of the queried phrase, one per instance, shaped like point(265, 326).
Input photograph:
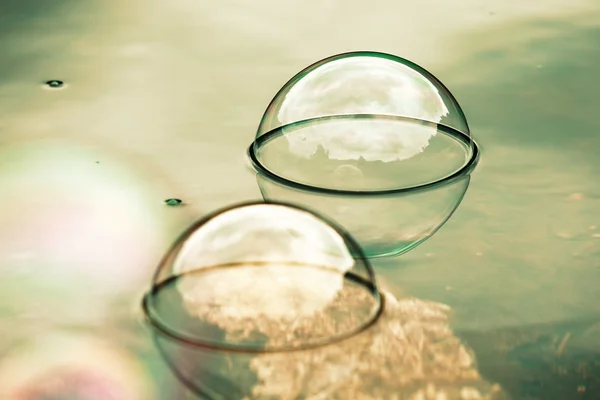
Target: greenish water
point(161, 101)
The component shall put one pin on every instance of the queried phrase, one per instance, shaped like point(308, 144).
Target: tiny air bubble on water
point(55, 83)
point(173, 202)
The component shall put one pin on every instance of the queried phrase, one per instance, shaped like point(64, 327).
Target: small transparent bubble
point(174, 202)
point(55, 84)
point(346, 172)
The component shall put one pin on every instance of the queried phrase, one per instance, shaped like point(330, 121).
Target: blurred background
point(160, 100)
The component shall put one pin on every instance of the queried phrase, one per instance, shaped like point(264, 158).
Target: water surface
point(161, 101)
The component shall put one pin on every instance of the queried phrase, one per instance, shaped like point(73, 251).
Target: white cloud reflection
point(274, 234)
point(363, 85)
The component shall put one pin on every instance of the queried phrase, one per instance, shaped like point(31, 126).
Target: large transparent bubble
point(373, 141)
point(263, 278)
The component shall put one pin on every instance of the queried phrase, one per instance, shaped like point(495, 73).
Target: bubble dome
point(263, 277)
point(354, 128)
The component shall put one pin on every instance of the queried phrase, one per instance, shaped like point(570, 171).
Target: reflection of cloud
point(262, 233)
point(363, 85)
point(271, 292)
point(370, 139)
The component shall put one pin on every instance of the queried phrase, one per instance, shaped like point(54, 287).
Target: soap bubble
point(371, 140)
point(257, 277)
point(55, 84)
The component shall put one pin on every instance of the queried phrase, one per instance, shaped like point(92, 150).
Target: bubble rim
point(153, 319)
point(464, 170)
